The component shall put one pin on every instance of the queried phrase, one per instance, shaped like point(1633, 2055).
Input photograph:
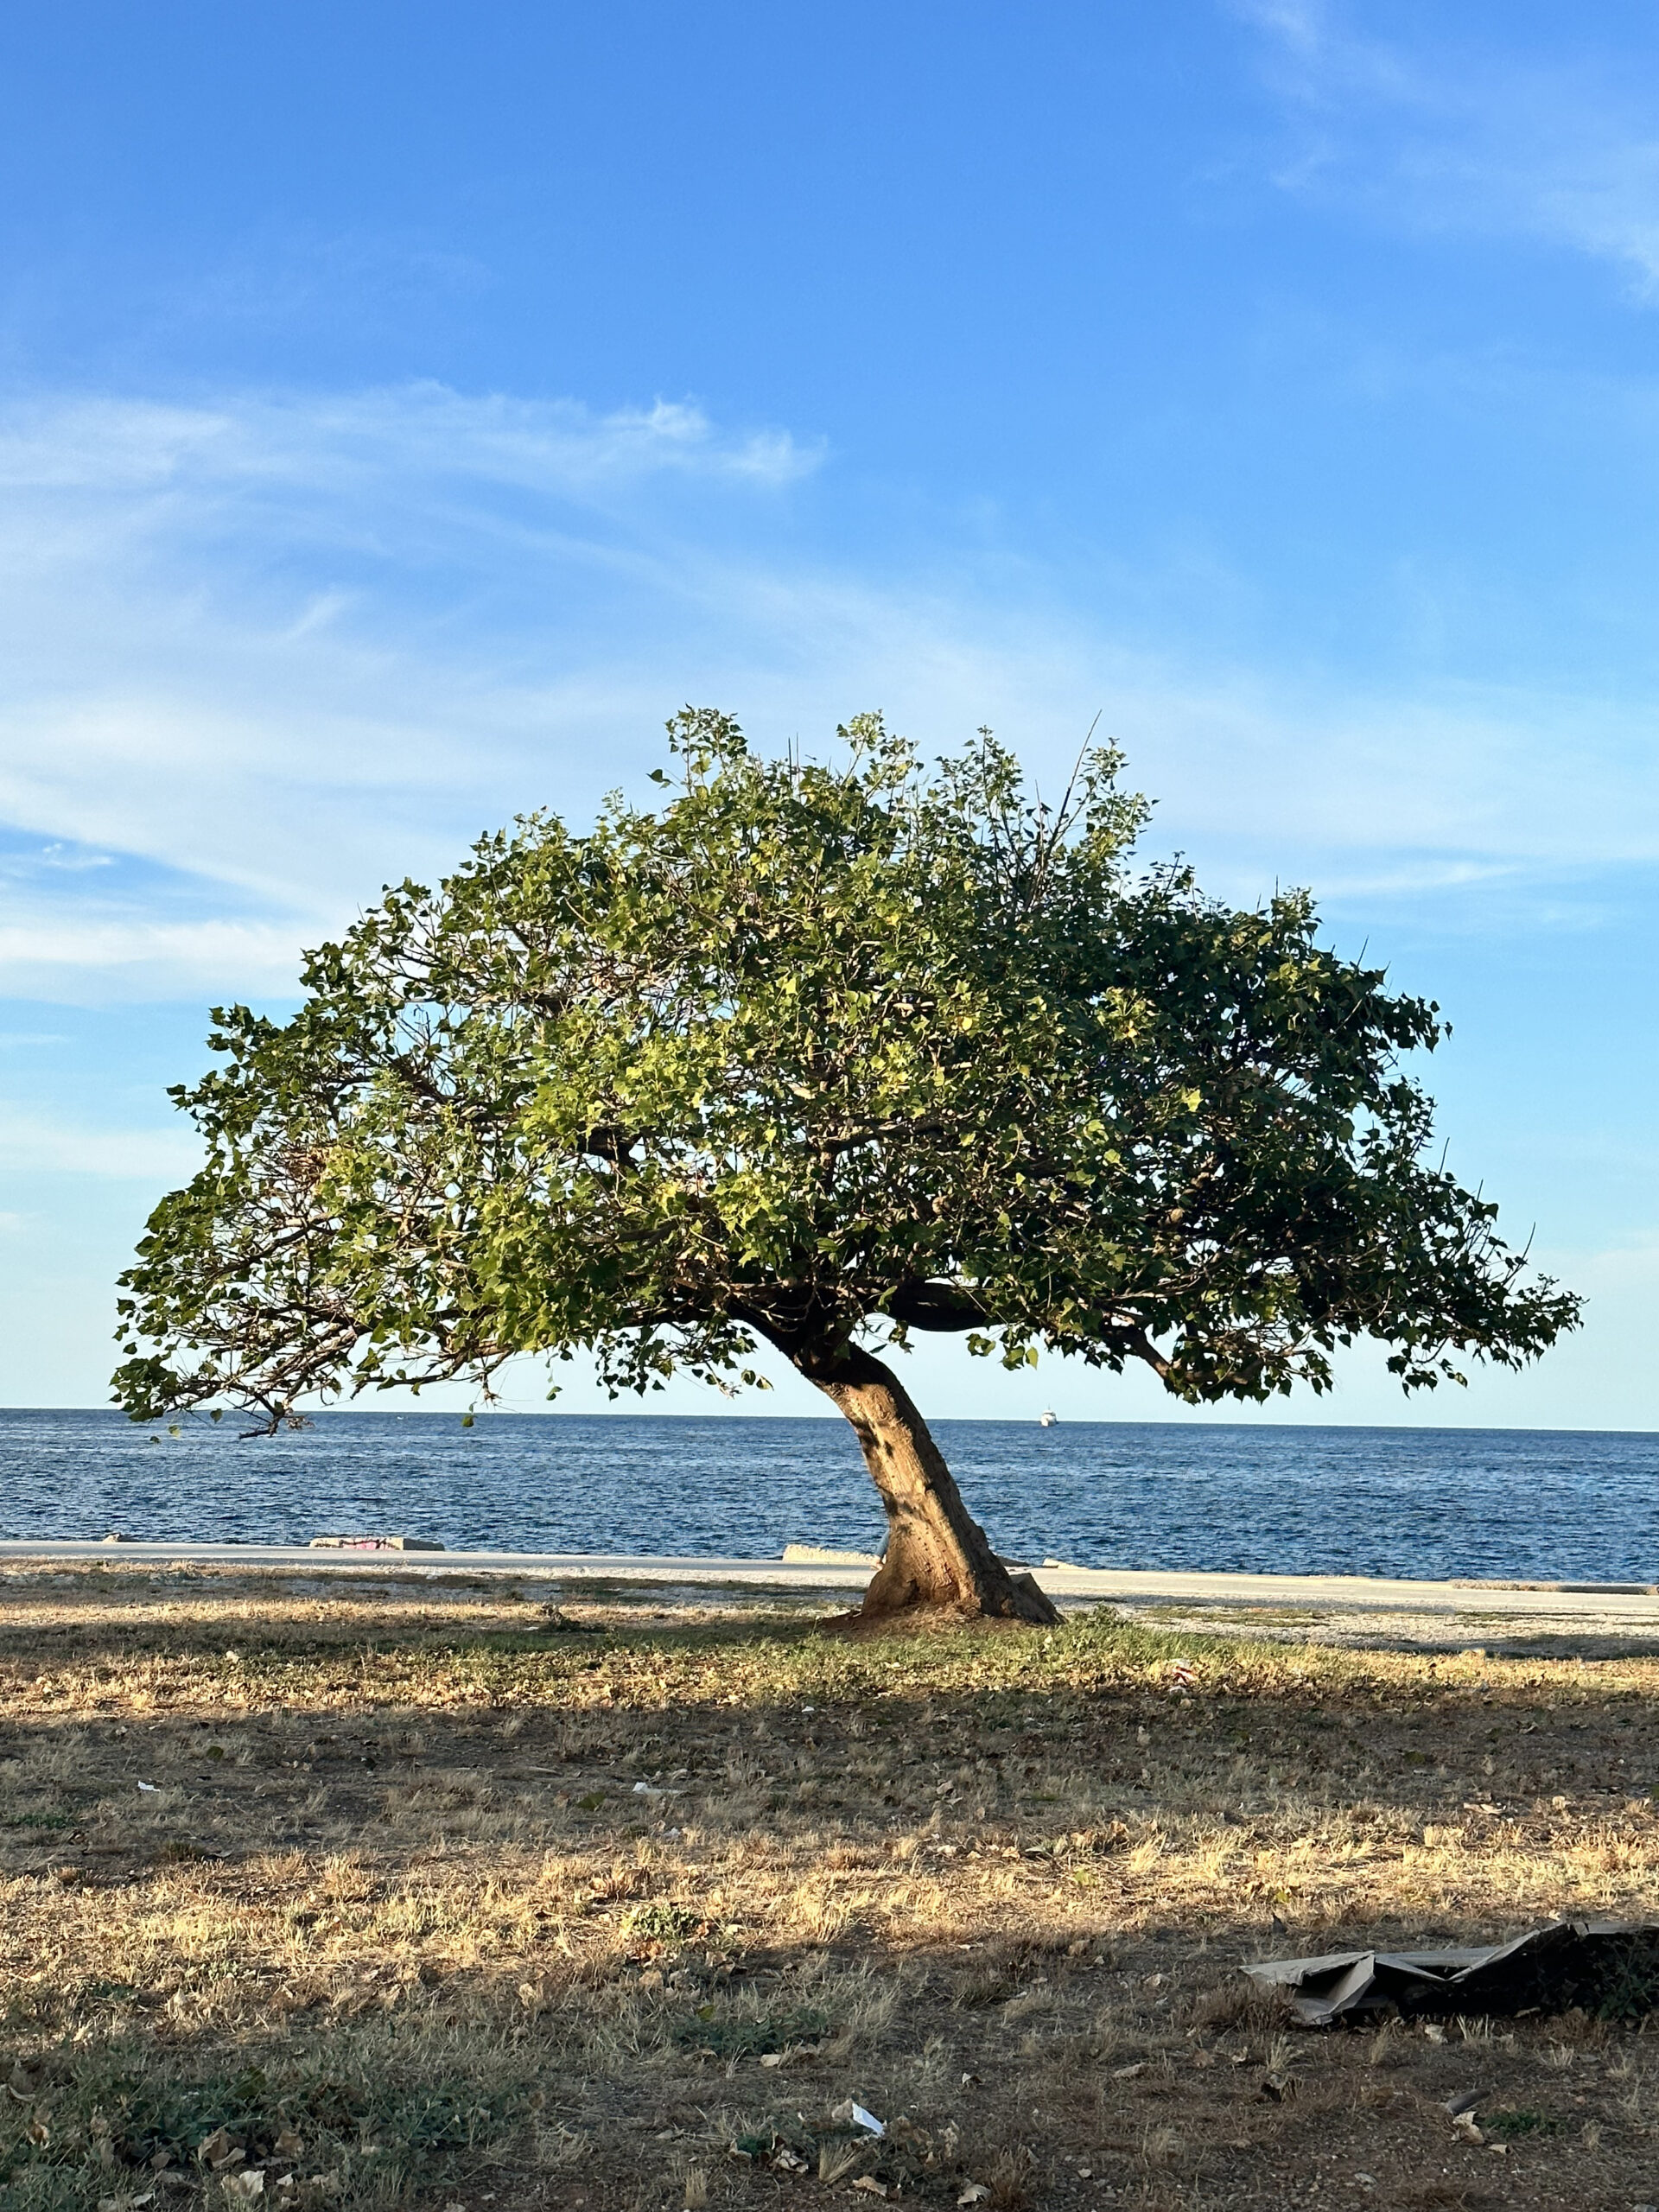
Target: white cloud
point(103, 445)
point(256, 645)
point(1300, 24)
point(263, 656)
point(75, 863)
point(1451, 134)
point(142, 958)
point(372, 440)
point(1605, 201)
point(30, 1145)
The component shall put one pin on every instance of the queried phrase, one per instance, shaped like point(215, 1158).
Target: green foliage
point(1512, 2126)
point(113, 2108)
point(661, 1921)
point(732, 2037)
point(818, 1053)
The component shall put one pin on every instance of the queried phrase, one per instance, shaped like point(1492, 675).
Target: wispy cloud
point(397, 435)
point(277, 649)
point(134, 956)
point(66, 858)
point(32, 1145)
point(1453, 133)
point(260, 657)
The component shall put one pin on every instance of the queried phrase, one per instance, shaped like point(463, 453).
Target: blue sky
point(405, 407)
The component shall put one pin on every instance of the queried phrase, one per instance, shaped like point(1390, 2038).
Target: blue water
point(1558, 1505)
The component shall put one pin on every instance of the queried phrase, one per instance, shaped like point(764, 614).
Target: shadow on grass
point(436, 1865)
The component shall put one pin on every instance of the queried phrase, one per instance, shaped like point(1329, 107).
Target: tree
point(823, 1055)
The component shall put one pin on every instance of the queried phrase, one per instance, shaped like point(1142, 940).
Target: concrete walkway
point(1593, 1608)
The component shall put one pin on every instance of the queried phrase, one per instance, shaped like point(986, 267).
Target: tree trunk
point(937, 1557)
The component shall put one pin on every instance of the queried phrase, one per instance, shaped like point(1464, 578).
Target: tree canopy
point(823, 1054)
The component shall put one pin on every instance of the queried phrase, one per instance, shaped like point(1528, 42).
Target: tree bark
point(937, 1558)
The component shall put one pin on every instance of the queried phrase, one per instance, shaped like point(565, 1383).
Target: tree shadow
point(1011, 1875)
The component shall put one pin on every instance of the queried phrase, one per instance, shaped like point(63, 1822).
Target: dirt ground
point(378, 1890)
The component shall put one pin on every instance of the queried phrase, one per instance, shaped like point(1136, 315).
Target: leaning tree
point(821, 1055)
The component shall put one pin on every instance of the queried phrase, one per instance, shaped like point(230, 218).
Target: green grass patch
point(100, 2121)
point(730, 2038)
point(1514, 2127)
point(661, 1923)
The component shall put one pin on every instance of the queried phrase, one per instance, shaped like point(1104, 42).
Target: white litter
point(855, 2113)
point(151, 1789)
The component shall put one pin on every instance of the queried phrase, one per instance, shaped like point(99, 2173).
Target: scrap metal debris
point(1610, 1968)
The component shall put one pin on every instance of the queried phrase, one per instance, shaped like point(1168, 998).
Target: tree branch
point(941, 1307)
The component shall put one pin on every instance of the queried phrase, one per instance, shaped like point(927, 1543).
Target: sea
point(1552, 1505)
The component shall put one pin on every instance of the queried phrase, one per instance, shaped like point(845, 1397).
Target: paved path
point(1628, 1607)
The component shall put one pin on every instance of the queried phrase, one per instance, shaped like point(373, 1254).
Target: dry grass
point(429, 1902)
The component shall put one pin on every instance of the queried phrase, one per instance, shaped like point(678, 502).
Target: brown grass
point(395, 1921)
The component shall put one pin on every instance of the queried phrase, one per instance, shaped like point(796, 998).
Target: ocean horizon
point(1545, 1505)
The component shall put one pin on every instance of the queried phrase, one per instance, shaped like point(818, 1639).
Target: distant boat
point(1049, 1420)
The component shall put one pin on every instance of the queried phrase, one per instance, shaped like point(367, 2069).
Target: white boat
point(1049, 1420)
